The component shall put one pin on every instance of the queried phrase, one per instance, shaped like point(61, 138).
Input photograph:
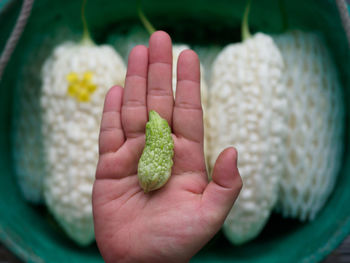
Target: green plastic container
point(30, 232)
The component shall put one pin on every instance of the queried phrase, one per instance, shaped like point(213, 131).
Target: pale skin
point(173, 223)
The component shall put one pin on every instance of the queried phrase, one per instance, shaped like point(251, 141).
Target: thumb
point(221, 193)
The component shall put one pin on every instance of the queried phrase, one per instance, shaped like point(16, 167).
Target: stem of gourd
point(146, 23)
point(86, 34)
point(245, 23)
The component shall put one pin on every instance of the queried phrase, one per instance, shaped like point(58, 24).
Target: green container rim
point(26, 254)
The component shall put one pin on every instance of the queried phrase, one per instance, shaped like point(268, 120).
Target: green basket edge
point(334, 242)
point(28, 256)
point(3, 3)
point(20, 252)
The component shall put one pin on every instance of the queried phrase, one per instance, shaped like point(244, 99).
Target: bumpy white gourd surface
point(29, 163)
point(71, 128)
point(27, 137)
point(248, 111)
point(315, 125)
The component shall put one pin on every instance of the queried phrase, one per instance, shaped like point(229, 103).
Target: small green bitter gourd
point(154, 168)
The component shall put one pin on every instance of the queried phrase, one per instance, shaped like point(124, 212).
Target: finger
point(134, 110)
point(122, 163)
point(221, 193)
point(188, 115)
point(111, 131)
point(159, 91)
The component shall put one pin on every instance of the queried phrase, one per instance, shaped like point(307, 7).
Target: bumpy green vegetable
point(155, 164)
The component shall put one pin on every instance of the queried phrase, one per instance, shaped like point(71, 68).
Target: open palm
point(170, 224)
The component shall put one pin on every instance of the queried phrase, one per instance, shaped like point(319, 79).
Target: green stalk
point(146, 23)
point(86, 34)
point(245, 23)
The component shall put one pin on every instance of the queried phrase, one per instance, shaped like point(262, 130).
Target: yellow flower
point(80, 87)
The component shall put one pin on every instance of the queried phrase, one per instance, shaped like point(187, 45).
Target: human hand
point(172, 223)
